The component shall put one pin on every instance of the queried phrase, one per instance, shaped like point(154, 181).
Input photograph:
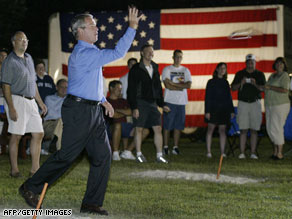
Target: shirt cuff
point(131, 29)
point(103, 99)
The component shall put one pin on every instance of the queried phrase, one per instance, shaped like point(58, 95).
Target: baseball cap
point(250, 57)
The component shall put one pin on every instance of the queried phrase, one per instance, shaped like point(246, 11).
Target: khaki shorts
point(249, 115)
point(28, 121)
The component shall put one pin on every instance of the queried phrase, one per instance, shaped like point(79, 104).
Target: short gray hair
point(78, 22)
point(13, 38)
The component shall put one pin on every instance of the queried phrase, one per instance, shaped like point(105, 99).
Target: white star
point(150, 42)
point(143, 18)
point(110, 36)
point(135, 43)
point(119, 27)
point(111, 19)
point(102, 28)
point(143, 34)
point(102, 44)
point(126, 18)
point(69, 29)
point(151, 25)
point(70, 45)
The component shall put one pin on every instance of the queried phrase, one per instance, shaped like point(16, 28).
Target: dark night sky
point(31, 16)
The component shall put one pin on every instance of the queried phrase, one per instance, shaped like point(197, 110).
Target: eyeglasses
point(22, 40)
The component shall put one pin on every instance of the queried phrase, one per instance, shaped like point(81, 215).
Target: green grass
point(133, 197)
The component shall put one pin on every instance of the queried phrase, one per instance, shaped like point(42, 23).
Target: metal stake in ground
point(41, 198)
point(219, 168)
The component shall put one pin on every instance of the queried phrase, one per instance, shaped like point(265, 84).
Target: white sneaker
point(116, 156)
point(141, 159)
point(253, 156)
point(241, 156)
point(161, 160)
point(27, 151)
point(127, 155)
point(44, 152)
point(175, 151)
point(209, 155)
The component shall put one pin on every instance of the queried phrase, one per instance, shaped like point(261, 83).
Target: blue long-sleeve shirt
point(85, 66)
point(54, 105)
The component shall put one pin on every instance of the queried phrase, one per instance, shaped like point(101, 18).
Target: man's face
point(177, 58)
point(148, 53)
point(89, 33)
point(62, 89)
point(3, 56)
point(20, 42)
point(116, 91)
point(131, 63)
point(40, 69)
point(250, 65)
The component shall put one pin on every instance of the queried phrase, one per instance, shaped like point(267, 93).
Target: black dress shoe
point(30, 197)
point(92, 209)
point(30, 174)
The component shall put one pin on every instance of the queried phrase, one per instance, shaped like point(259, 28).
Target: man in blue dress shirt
point(82, 115)
point(53, 125)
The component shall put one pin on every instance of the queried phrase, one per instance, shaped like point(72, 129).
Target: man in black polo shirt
point(249, 82)
point(20, 91)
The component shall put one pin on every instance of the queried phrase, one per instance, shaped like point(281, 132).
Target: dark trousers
point(84, 127)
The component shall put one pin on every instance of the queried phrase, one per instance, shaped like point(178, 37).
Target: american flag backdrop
point(206, 36)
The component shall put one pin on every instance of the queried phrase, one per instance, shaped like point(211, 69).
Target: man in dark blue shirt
point(82, 115)
point(44, 81)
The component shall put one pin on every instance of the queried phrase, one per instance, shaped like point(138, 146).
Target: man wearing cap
point(249, 82)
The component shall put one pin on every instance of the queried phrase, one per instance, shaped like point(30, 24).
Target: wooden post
point(41, 198)
point(219, 168)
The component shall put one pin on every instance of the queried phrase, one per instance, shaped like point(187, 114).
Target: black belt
point(81, 100)
point(249, 101)
point(30, 98)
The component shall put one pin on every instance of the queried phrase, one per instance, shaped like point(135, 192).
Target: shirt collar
point(14, 54)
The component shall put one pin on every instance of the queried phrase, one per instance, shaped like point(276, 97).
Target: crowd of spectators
point(136, 99)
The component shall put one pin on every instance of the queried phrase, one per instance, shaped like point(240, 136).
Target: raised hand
point(133, 17)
